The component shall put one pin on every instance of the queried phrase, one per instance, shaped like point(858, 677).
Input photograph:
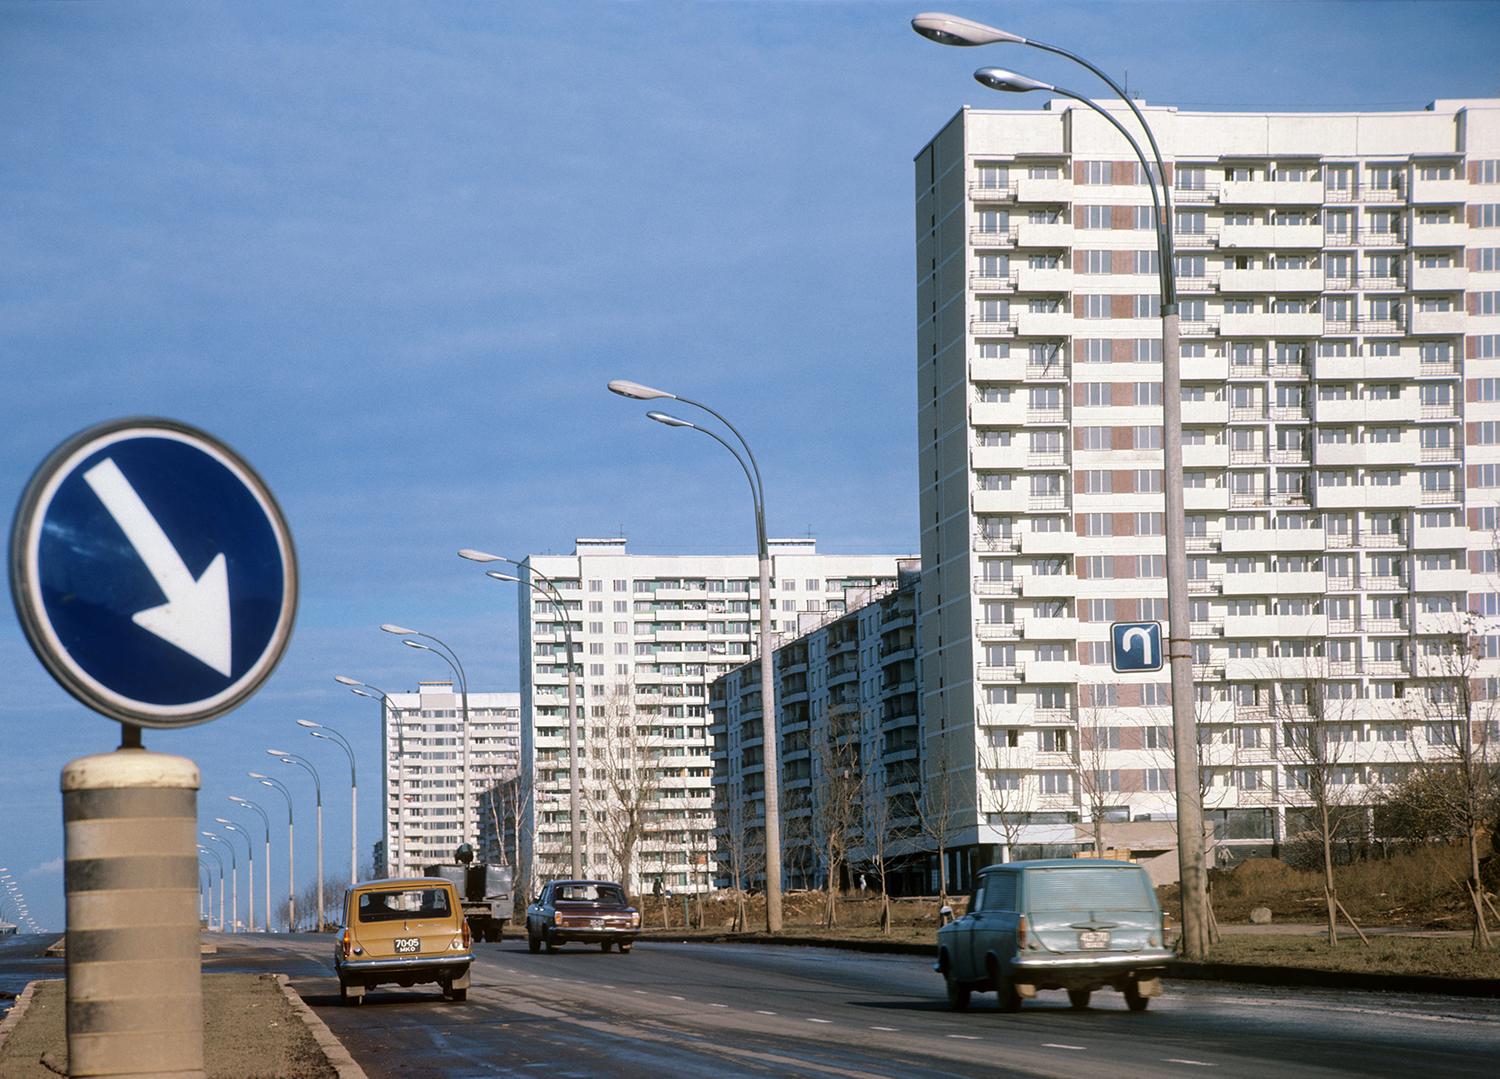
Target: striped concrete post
point(135, 988)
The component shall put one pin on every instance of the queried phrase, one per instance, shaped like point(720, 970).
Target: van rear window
point(407, 903)
point(1088, 888)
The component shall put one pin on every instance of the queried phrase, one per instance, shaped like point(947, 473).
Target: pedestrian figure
point(861, 885)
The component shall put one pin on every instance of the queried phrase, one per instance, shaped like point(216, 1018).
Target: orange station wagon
point(403, 932)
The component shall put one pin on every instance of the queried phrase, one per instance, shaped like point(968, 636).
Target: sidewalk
point(251, 1029)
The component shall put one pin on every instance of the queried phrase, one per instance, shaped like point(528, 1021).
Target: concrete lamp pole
point(450, 657)
point(237, 800)
point(327, 733)
point(234, 883)
point(292, 758)
point(215, 856)
point(249, 869)
point(291, 848)
point(770, 747)
point(548, 590)
point(393, 861)
point(952, 30)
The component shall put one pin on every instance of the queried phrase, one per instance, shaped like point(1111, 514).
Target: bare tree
point(838, 800)
point(1318, 733)
point(937, 807)
point(627, 762)
point(1461, 785)
point(875, 820)
point(1097, 784)
point(1009, 794)
point(744, 848)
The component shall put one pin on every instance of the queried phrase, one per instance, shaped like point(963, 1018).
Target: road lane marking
point(762, 1011)
point(966, 1037)
point(718, 1005)
point(812, 1020)
point(892, 1029)
point(679, 998)
point(1194, 1063)
point(1059, 1045)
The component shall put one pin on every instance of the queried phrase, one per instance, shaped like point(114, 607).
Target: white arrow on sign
point(195, 617)
point(1138, 633)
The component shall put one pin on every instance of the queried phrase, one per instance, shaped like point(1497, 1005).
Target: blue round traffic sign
point(153, 572)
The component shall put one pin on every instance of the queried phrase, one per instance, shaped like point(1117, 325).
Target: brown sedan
point(582, 910)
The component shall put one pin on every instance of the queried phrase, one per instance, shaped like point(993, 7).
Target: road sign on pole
point(153, 572)
point(1135, 647)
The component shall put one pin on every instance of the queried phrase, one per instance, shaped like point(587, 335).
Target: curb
point(332, 1048)
point(1248, 974)
point(18, 1009)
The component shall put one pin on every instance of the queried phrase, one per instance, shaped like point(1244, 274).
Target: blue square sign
point(1135, 647)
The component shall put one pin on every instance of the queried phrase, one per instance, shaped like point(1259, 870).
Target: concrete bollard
point(134, 973)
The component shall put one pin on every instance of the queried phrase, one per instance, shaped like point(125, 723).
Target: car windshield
point(406, 903)
point(589, 893)
point(1087, 888)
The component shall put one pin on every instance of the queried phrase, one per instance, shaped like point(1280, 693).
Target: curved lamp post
point(952, 30)
point(234, 882)
point(237, 800)
point(215, 856)
point(770, 749)
point(394, 861)
point(291, 848)
point(249, 868)
point(292, 758)
point(328, 734)
point(548, 589)
point(450, 657)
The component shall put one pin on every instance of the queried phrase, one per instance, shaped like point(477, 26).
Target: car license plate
point(596, 923)
point(406, 945)
point(1093, 939)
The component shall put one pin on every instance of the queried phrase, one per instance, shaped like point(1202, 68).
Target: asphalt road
point(714, 1010)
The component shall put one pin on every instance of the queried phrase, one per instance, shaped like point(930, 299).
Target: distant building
point(423, 770)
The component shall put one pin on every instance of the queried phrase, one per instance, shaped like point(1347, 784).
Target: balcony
point(1272, 324)
point(987, 673)
point(987, 586)
point(1430, 539)
point(1210, 413)
point(1276, 626)
point(1424, 322)
point(1044, 323)
point(1188, 241)
point(985, 283)
point(1205, 369)
point(1440, 192)
point(1365, 368)
point(996, 631)
point(1048, 542)
point(1054, 191)
point(1010, 413)
point(995, 544)
point(1271, 193)
point(1270, 583)
point(994, 457)
point(1279, 281)
point(981, 326)
point(1439, 234)
point(1049, 670)
point(1205, 456)
point(992, 192)
point(1439, 278)
point(1441, 580)
point(1265, 237)
point(989, 238)
point(1194, 286)
point(1043, 279)
point(1049, 585)
point(1044, 234)
point(998, 369)
point(1361, 496)
point(1245, 541)
point(1405, 452)
point(1206, 498)
point(1402, 409)
point(1049, 629)
point(996, 501)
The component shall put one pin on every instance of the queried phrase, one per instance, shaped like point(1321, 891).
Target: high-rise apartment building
point(423, 769)
point(1339, 281)
point(651, 632)
point(848, 714)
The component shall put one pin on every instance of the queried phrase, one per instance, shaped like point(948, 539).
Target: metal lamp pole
point(291, 849)
point(770, 749)
point(327, 733)
point(952, 30)
point(364, 689)
point(234, 883)
point(548, 589)
point(215, 856)
point(237, 800)
point(249, 870)
point(449, 657)
point(292, 758)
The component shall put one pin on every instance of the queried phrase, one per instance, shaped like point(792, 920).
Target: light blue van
point(1075, 924)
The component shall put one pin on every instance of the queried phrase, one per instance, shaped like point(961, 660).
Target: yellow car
point(403, 932)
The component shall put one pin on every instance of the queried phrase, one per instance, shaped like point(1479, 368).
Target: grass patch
point(1440, 957)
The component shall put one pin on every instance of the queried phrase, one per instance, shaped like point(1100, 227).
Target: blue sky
point(392, 253)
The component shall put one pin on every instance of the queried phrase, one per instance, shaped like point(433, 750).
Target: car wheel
point(958, 993)
point(1005, 990)
point(533, 945)
point(604, 945)
point(343, 992)
point(1079, 998)
point(1135, 1000)
point(625, 945)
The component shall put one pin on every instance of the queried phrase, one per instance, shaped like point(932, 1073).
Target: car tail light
point(467, 938)
point(1021, 940)
point(346, 943)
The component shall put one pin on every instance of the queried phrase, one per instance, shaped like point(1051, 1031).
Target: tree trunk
point(1481, 938)
point(1099, 835)
point(1330, 894)
point(942, 855)
point(885, 911)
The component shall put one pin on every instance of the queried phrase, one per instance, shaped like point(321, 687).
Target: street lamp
point(215, 856)
point(234, 882)
point(393, 862)
point(291, 848)
point(770, 750)
point(237, 800)
point(292, 758)
point(450, 657)
point(249, 869)
point(952, 30)
point(548, 589)
point(328, 734)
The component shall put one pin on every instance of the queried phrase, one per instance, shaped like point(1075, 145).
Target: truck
point(484, 892)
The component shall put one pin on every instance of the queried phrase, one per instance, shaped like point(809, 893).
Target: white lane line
point(640, 992)
point(1059, 1045)
point(1194, 1063)
point(762, 1011)
point(811, 1020)
point(965, 1037)
point(679, 998)
point(718, 1005)
point(892, 1029)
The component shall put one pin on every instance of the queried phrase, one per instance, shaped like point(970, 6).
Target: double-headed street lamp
point(210, 852)
point(237, 800)
point(770, 749)
point(393, 861)
point(292, 758)
point(234, 883)
point(548, 590)
point(952, 30)
point(450, 657)
point(249, 869)
point(327, 733)
point(291, 848)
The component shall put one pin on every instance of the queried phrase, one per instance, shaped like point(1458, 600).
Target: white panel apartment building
point(652, 632)
point(1339, 278)
point(422, 769)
